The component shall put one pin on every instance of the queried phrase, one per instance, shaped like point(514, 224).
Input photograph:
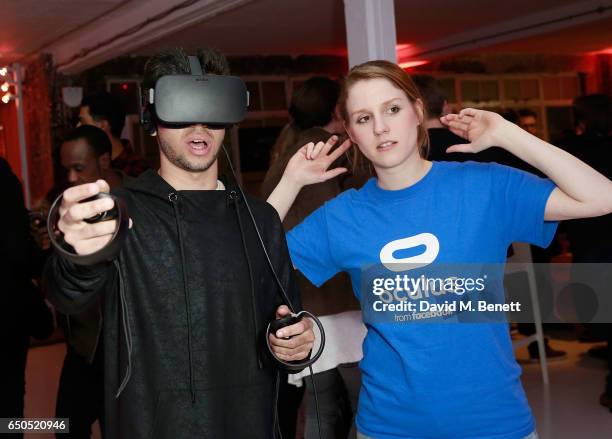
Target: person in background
point(23, 312)
point(528, 120)
point(104, 111)
point(440, 137)
point(86, 157)
point(591, 239)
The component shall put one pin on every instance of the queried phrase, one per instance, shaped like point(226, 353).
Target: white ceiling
point(292, 27)
point(26, 26)
point(582, 39)
point(318, 27)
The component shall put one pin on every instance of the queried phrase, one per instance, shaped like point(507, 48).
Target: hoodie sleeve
point(282, 263)
point(72, 288)
point(279, 255)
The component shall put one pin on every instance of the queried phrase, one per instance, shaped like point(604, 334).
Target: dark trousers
point(338, 395)
point(289, 400)
point(81, 394)
point(12, 379)
point(609, 378)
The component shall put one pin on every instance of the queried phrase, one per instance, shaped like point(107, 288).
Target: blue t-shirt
point(433, 380)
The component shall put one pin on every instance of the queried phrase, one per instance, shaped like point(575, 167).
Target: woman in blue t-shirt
point(432, 380)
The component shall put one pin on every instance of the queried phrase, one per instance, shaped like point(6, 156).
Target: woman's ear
point(418, 107)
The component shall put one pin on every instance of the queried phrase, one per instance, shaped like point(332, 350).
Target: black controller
point(292, 319)
point(102, 216)
point(289, 320)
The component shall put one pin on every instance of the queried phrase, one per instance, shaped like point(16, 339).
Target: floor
point(42, 379)
point(567, 409)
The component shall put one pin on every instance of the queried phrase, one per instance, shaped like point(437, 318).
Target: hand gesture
point(481, 128)
point(311, 162)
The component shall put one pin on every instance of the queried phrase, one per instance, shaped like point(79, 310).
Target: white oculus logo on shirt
point(432, 248)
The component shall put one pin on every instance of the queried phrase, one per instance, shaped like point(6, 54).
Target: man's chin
point(196, 166)
point(189, 164)
point(185, 161)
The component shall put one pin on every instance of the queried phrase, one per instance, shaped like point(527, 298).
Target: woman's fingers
point(322, 149)
point(317, 150)
point(463, 117)
point(329, 144)
point(328, 175)
point(463, 147)
point(340, 150)
point(468, 112)
point(309, 148)
point(459, 127)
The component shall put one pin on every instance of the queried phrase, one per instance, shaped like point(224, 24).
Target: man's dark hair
point(432, 93)
point(174, 61)
point(95, 137)
point(105, 106)
point(595, 112)
point(313, 104)
point(526, 112)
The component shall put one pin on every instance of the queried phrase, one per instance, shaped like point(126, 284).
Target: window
point(479, 90)
point(550, 96)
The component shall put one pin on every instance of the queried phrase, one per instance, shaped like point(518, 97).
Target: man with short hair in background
point(104, 111)
point(528, 120)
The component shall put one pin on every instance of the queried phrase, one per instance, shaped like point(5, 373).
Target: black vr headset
point(176, 100)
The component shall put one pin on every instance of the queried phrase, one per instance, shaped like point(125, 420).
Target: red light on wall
point(400, 47)
point(410, 64)
point(606, 51)
point(124, 86)
point(404, 51)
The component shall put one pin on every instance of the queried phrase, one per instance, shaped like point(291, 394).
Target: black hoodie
point(185, 311)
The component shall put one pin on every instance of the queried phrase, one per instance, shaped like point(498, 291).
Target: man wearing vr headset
point(188, 299)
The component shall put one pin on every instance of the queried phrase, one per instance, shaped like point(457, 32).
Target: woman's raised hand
point(481, 128)
point(310, 163)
